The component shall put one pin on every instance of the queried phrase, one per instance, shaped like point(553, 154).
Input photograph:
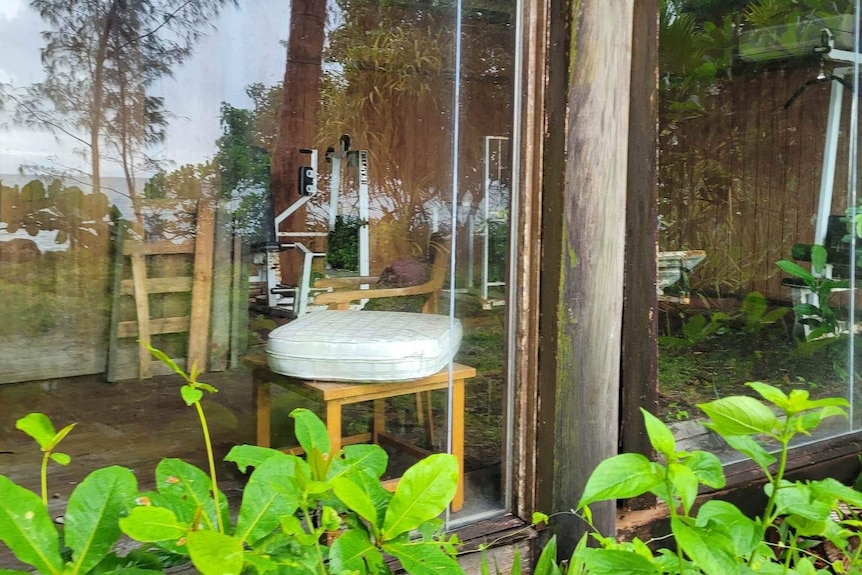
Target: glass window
point(191, 173)
point(757, 176)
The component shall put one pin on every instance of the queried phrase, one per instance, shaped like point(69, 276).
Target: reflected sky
point(243, 47)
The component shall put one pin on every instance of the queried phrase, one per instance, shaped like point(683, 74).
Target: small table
point(334, 395)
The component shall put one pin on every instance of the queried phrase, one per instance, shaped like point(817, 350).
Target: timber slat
point(142, 306)
point(158, 248)
point(160, 285)
point(157, 326)
point(199, 325)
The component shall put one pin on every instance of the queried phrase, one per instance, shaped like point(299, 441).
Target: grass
point(693, 371)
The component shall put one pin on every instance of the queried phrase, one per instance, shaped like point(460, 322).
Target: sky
point(242, 47)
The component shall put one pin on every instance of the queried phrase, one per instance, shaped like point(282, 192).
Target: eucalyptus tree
point(101, 59)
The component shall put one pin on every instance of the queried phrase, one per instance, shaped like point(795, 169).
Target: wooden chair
point(346, 291)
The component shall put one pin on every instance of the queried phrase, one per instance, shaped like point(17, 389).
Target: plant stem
point(44, 478)
point(775, 480)
point(310, 525)
point(211, 460)
point(671, 505)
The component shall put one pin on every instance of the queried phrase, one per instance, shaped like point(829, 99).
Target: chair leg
point(262, 408)
point(458, 439)
point(425, 415)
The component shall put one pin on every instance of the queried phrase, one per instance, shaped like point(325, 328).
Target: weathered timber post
point(639, 374)
point(584, 244)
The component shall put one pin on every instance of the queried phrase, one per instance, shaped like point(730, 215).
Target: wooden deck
point(133, 423)
point(136, 423)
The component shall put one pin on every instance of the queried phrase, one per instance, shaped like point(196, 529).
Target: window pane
point(188, 184)
point(756, 161)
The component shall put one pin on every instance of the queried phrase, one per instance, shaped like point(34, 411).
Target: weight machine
point(295, 299)
point(831, 39)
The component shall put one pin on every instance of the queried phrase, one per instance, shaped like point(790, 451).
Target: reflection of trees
point(100, 59)
point(169, 209)
point(392, 89)
point(79, 218)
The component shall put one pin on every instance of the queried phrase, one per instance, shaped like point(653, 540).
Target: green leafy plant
point(696, 329)
point(90, 527)
point(819, 316)
point(343, 242)
point(719, 539)
point(326, 513)
point(755, 313)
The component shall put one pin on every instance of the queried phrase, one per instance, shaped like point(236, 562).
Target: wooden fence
point(742, 180)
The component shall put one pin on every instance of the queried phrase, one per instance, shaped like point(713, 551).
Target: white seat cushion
point(363, 345)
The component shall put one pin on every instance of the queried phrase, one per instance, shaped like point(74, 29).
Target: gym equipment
point(294, 299)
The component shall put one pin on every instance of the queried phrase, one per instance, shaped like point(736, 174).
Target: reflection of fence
point(742, 181)
point(176, 295)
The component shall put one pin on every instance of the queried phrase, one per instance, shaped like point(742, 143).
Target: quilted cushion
point(363, 346)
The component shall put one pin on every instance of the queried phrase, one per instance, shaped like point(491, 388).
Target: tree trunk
point(298, 119)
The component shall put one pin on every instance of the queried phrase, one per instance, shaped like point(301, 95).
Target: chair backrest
point(439, 268)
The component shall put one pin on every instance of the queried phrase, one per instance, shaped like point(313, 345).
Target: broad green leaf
point(349, 550)
point(190, 394)
point(707, 468)
point(310, 431)
point(423, 493)
point(798, 499)
point(795, 270)
point(746, 534)
point(27, 530)
point(215, 553)
point(711, 548)
point(355, 498)
point(151, 524)
point(684, 483)
point(799, 402)
point(92, 515)
point(246, 456)
point(39, 427)
point(259, 563)
point(749, 447)
point(660, 436)
point(293, 527)
point(771, 394)
point(754, 306)
point(273, 490)
point(61, 458)
point(189, 490)
point(421, 558)
point(375, 491)
point(739, 415)
point(547, 563)
point(621, 476)
point(134, 571)
point(818, 258)
point(614, 562)
point(805, 422)
point(830, 490)
point(370, 458)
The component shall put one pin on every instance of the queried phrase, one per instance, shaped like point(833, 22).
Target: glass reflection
point(322, 141)
point(755, 162)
